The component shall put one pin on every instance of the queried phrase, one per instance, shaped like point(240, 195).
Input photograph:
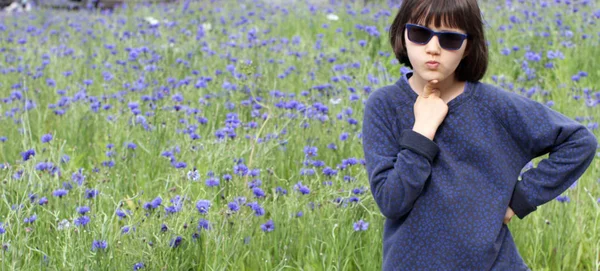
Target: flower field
point(226, 135)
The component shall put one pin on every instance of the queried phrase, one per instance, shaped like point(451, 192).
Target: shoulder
point(498, 98)
point(386, 97)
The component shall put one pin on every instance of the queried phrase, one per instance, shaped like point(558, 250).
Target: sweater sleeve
point(539, 130)
point(397, 169)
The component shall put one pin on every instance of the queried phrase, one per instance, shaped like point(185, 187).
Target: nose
point(433, 46)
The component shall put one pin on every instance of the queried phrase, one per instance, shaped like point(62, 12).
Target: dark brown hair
point(461, 14)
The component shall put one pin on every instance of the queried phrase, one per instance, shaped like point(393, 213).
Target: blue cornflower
point(233, 206)
point(175, 242)
point(258, 210)
point(164, 227)
point(361, 225)
point(213, 181)
point(259, 193)
point(204, 224)
point(91, 193)
point(60, 193)
point(82, 210)
point(120, 213)
point(99, 245)
point(563, 199)
point(240, 169)
point(281, 191)
point(42, 201)
point(2, 230)
point(310, 151)
point(31, 219)
point(78, 177)
point(203, 206)
point(82, 221)
point(255, 183)
point(301, 188)
point(268, 227)
point(125, 229)
point(131, 145)
point(46, 138)
point(138, 266)
point(28, 154)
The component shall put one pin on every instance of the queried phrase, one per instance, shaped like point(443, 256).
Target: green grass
point(558, 236)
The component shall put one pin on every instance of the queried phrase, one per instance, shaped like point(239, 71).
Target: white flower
point(335, 101)
point(151, 21)
point(206, 27)
point(332, 17)
point(63, 224)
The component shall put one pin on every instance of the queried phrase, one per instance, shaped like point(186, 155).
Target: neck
point(449, 88)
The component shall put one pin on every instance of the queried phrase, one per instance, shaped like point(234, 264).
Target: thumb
point(429, 88)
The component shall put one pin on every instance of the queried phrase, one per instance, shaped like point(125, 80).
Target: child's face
point(448, 60)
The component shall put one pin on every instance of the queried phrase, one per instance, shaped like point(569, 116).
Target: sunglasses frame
point(434, 33)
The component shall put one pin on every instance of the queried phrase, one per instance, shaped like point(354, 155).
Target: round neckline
point(467, 91)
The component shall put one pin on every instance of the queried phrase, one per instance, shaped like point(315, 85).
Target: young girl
point(444, 151)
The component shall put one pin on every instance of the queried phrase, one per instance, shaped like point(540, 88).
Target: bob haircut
point(461, 14)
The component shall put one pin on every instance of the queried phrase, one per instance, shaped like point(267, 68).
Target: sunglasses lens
point(451, 41)
point(419, 35)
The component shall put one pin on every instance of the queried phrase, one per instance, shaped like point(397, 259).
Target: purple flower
point(259, 193)
point(60, 193)
point(99, 245)
point(91, 193)
point(138, 266)
point(301, 188)
point(78, 177)
point(310, 151)
point(83, 210)
point(233, 206)
point(203, 206)
point(281, 191)
point(46, 138)
point(361, 225)
point(268, 227)
point(2, 230)
point(31, 219)
point(258, 210)
point(42, 201)
point(204, 224)
point(163, 227)
point(82, 221)
point(28, 154)
point(120, 213)
point(563, 199)
point(213, 181)
point(175, 242)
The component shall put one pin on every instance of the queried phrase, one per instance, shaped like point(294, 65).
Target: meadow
point(227, 135)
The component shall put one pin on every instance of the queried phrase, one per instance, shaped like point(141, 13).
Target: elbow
point(591, 144)
point(390, 205)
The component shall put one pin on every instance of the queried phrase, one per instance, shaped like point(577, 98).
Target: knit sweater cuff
point(519, 204)
point(419, 143)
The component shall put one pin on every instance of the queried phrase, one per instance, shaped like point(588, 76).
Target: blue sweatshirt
point(445, 200)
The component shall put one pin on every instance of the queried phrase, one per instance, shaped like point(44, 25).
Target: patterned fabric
point(445, 200)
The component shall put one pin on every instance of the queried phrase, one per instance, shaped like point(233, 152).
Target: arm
point(540, 130)
point(397, 172)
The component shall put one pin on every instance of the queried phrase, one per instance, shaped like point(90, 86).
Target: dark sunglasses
point(422, 35)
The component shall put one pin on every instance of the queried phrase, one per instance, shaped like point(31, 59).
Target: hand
point(430, 110)
point(509, 214)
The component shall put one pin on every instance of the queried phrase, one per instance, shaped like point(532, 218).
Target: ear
point(467, 51)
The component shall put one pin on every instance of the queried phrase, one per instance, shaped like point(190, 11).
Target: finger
point(429, 88)
point(436, 93)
